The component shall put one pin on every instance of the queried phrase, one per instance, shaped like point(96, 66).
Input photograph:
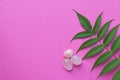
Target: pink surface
point(34, 34)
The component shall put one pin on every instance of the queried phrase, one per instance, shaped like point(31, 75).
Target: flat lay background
point(34, 34)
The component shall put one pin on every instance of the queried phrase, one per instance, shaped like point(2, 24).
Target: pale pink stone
point(67, 64)
point(68, 53)
point(76, 60)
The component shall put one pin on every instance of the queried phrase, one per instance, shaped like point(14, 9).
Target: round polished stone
point(67, 64)
point(68, 53)
point(76, 60)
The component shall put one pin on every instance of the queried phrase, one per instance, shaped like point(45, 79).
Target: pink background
point(34, 34)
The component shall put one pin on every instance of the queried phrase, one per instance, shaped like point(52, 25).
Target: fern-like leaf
point(110, 35)
point(104, 29)
point(88, 43)
point(94, 51)
point(110, 66)
point(84, 22)
point(103, 58)
point(117, 75)
point(97, 23)
point(116, 44)
point(83, 34)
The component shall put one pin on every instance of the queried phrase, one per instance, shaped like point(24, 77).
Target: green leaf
point(88, 43)
point(110, 35)
point(104, 29)
point(104, 57)
point(84, 22)
point(94, 51)
point(116, 44)
point(82, 35)
point(97, 23)
point(110, 66)
point(117, 75)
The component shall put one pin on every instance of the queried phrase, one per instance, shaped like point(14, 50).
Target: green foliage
point(117, 75)
point(94, 51)
point(97, 23)
point(84, 22)
point(83, 34)
point(116, 44)
point(88, 43)
point(110, 66)
point(104, 29)
point(110, 35)
point(89, 32)
point(103, 58)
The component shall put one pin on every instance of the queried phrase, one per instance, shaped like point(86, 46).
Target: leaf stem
point(108, 49)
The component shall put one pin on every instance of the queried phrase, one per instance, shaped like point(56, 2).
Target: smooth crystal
point(68, 53)
point(76, 60)
point(67, 64)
